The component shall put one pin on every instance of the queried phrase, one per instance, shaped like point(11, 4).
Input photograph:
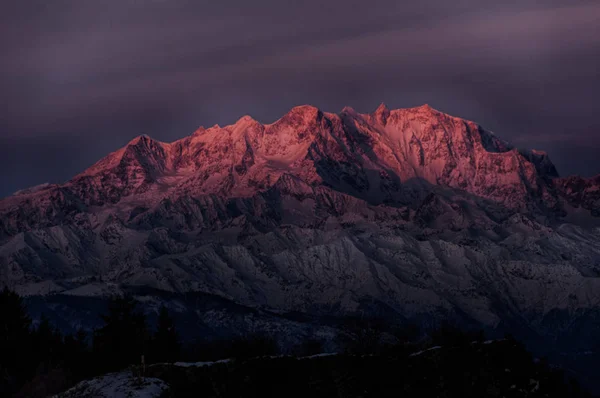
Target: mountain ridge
point(423, 213)
point(246, 157)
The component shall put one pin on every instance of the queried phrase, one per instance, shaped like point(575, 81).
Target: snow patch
point(324, 354)
point(200, 364)
point(117, 385)
point(437, 347)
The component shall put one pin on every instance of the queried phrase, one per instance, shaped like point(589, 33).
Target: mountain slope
point(412, 211)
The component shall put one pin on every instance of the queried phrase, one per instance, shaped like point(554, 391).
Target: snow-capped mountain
point(414, 210)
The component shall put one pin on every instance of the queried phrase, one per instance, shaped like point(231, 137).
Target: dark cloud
point(80, 78)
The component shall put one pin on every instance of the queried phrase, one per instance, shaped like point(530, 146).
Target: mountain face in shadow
point(427, 215)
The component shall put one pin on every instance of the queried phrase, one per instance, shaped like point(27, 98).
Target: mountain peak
point(305, 109)
point(348, 110)
point(199, 130)
point(382, 108)
point(144, 139)
point(245, 119)
point(425, 108)
point(542, 162)
point(382, 113)
point(302, 114)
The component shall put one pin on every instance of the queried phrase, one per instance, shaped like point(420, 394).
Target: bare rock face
point(420, 211)
point(581, 192)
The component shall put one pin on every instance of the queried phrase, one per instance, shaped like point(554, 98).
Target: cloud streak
point(95, 74)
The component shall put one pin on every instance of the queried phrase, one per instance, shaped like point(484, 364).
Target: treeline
point(498, 370)
point(36, 361)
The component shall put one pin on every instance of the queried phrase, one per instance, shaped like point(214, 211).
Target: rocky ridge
point(409, 211)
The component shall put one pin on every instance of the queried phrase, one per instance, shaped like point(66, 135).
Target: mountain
point(410, 212)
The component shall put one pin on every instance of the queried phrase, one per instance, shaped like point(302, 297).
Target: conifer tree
point(47, 342)
point(123, 338)
point(15, 347)
point(166, 345)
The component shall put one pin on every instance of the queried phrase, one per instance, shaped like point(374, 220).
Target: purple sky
point(79, 79)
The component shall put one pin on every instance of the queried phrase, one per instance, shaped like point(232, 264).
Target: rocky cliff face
point(416, 210)
point(581, 192)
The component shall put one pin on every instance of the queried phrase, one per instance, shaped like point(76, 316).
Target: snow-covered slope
point(416, 210)
point(117, 385)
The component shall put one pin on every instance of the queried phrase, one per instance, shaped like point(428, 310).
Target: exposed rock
point(420, 211)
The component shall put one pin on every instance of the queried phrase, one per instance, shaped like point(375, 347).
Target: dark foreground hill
point(478, 369)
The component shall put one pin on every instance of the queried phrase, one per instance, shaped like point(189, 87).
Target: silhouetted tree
point(78, 355)
point(165, 342)
point(123, 338)
point(47, 343)
point(15, 338)
point(59, 362)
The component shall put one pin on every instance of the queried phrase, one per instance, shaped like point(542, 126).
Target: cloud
point(105, 71)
